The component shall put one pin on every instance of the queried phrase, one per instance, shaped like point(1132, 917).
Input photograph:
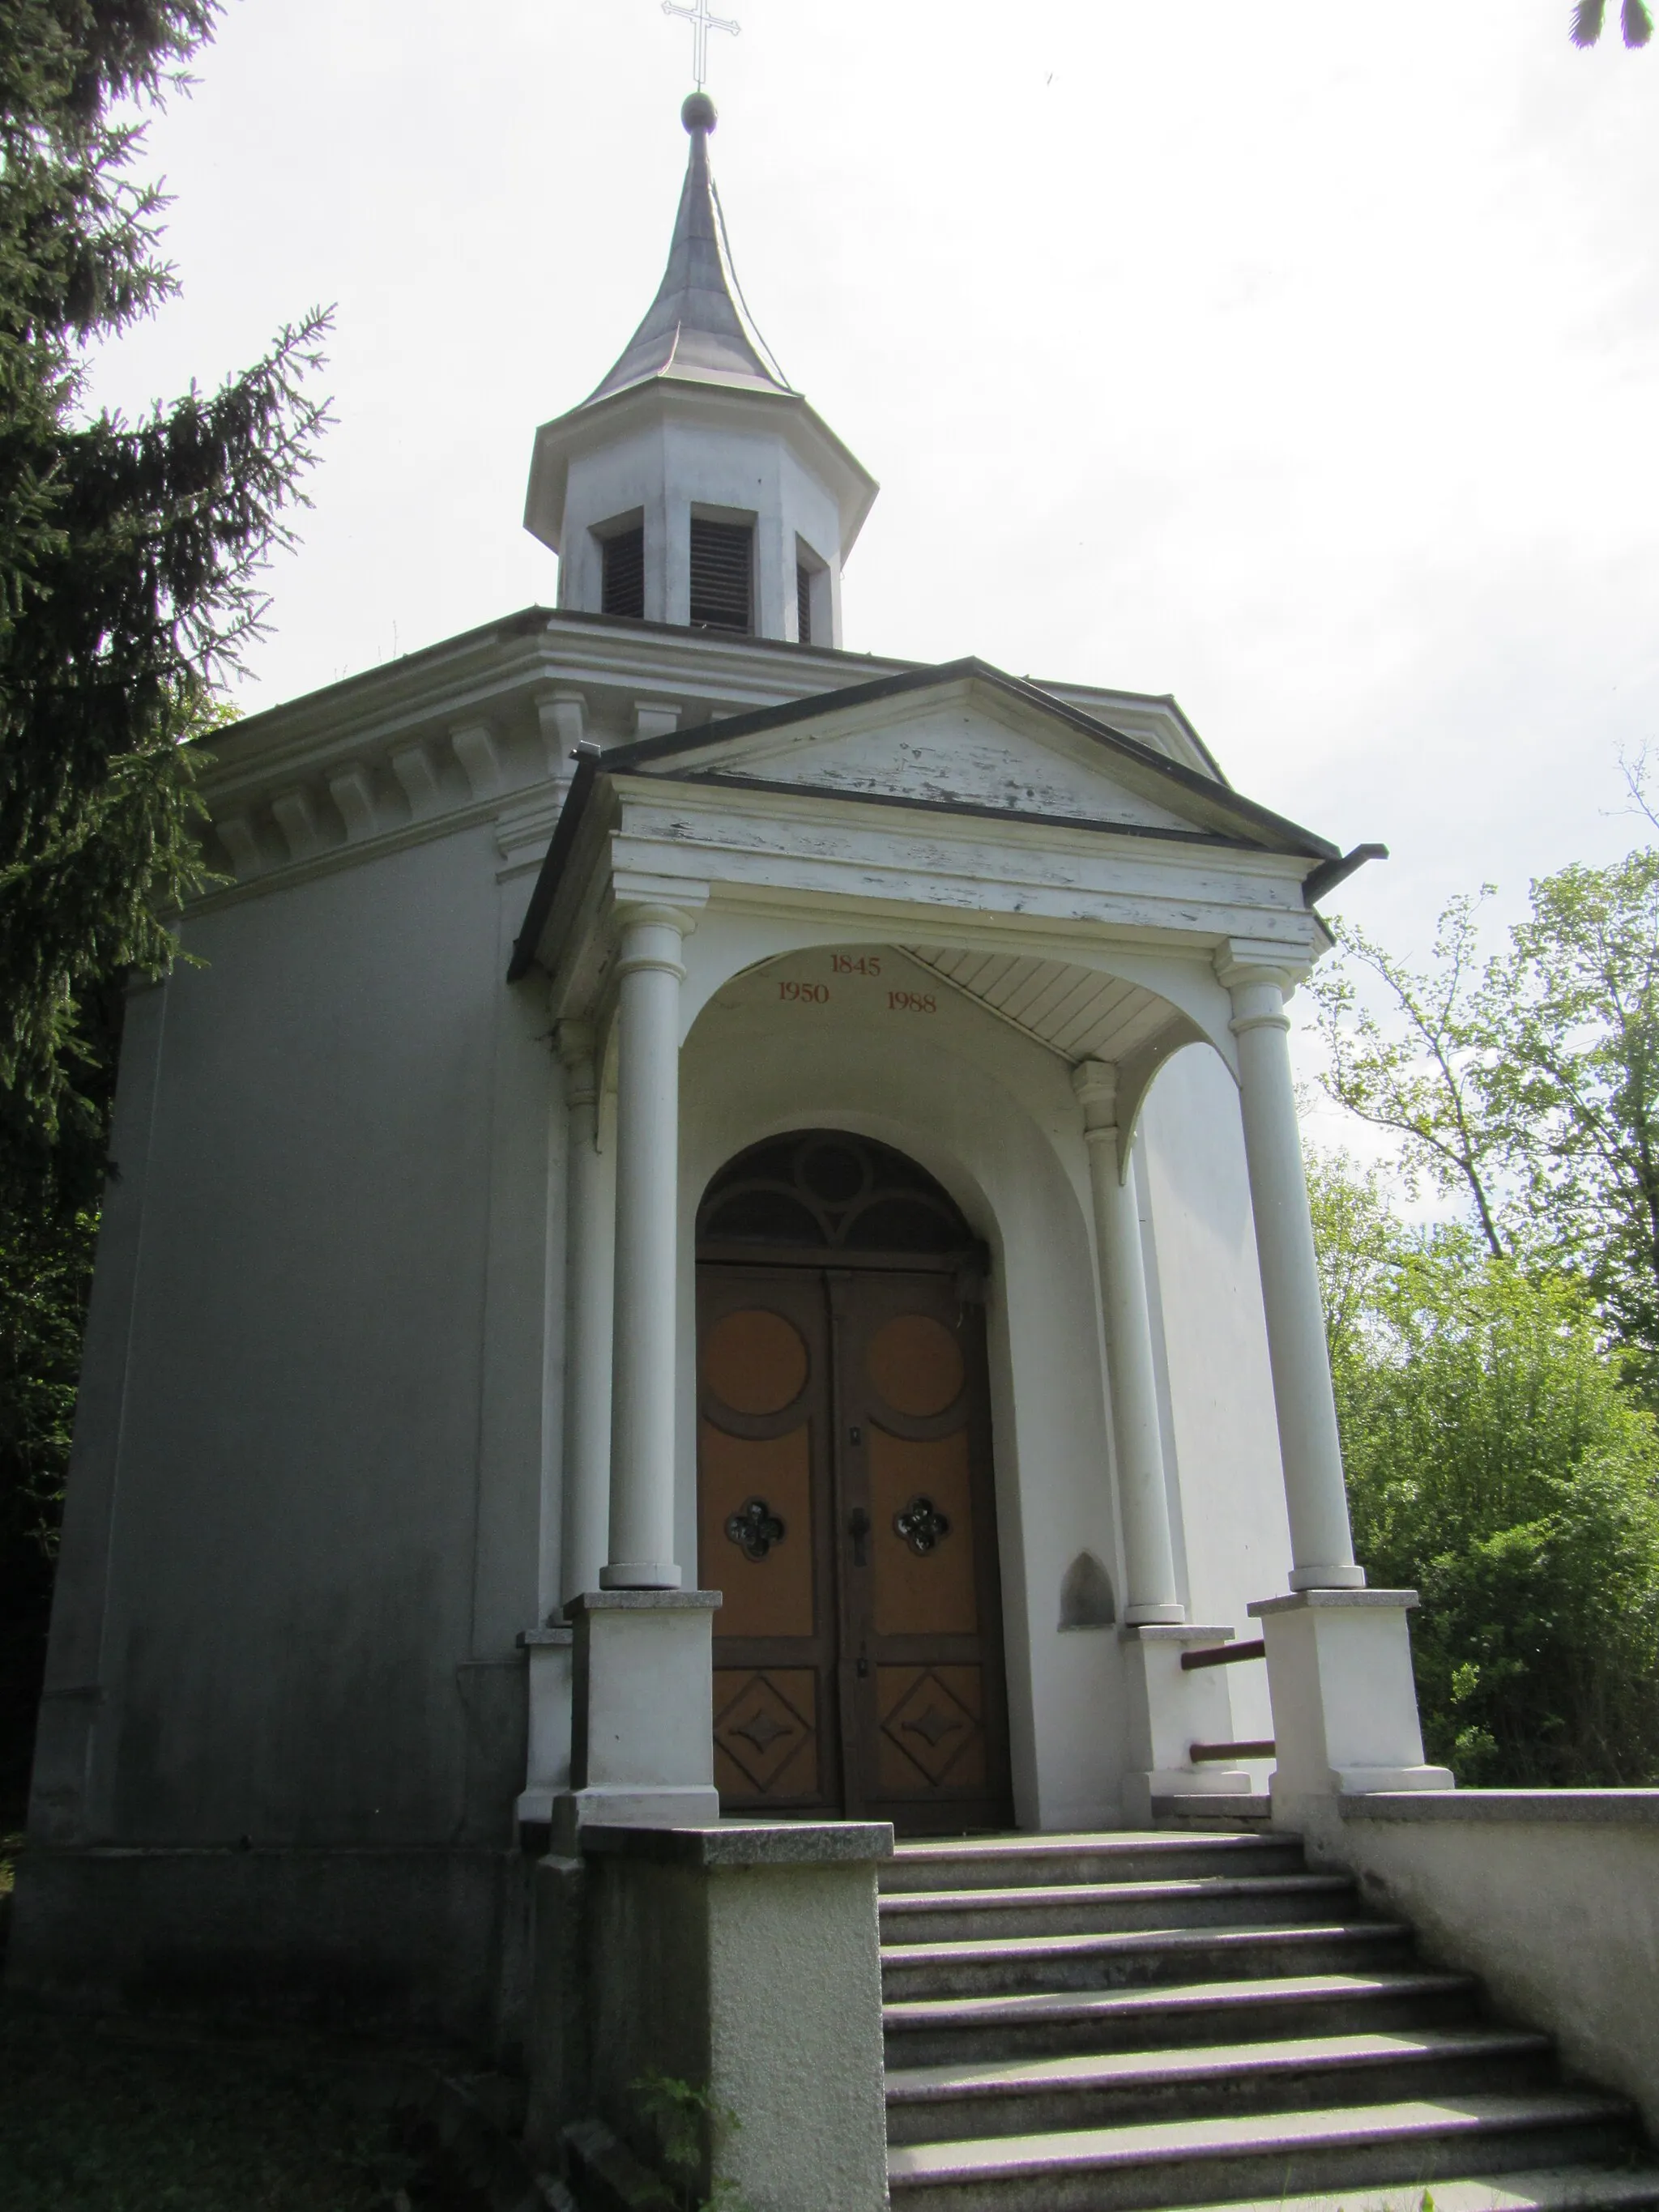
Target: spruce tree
point(129, 560)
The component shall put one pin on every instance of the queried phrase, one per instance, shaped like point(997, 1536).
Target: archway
point(845, 1492)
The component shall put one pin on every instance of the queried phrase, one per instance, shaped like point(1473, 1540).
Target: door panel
point(846, 1510)
point(921, 1505)
point(766, 1734)
point(757, 1493)
point(764, 1538)
point(926, 1731)
point(933, 1729)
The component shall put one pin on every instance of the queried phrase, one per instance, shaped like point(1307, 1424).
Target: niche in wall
point(1085, 1595)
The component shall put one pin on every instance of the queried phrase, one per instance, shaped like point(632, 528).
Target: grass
point(117, 2118)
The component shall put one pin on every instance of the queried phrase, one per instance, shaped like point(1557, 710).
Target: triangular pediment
point(967, 737)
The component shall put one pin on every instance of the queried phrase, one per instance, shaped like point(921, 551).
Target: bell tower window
point(722, 575)
point(623, 581)
point(803, 602)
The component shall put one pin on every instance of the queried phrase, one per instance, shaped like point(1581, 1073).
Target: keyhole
point(855, 1435)
point(858, 1528)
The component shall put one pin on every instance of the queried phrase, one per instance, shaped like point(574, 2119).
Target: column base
point(1169, 1711)
point(1344, 1703)
point(1332, 1578)
point(642, 1711)
point(572, 1810)
point(641, 1574)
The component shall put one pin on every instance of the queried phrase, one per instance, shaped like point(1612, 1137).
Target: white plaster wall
point(1227, 1492)
point(320, 1499)
point(1551, 1896)
point(993, 1118)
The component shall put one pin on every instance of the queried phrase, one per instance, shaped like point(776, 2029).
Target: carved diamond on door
point(931, 1723)
point(763, 1725)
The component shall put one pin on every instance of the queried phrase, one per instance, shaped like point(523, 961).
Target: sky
point(1297, 359)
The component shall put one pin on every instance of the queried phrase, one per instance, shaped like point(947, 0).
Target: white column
point(1143, 1498)
point(650, 973)
point(1259, 978)
point(590, 1240)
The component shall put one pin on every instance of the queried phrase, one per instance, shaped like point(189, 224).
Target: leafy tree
point(1527, 1082)
point(1635, 22)
point(1420, 1078)
point(1496, 1463)
point(129, 554)
point(1572, 1080)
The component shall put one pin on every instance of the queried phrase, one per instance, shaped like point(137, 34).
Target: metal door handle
point(858, 1528)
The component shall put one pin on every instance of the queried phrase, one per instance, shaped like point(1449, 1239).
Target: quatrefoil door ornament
point(923, 1526)
point(754, 1529)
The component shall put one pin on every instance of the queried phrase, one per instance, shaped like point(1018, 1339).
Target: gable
point(965, 735)
point(943, 751)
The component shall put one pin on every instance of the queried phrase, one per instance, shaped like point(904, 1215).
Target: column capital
point(1243, 961)
point(1095, 1082)
point(653, 913)
point(649, 936)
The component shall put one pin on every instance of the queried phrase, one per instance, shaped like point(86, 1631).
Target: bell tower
point(696, 486)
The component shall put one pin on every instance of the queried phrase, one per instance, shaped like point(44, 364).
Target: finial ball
point(699, 113)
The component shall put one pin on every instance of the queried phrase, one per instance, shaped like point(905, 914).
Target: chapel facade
point(715, 1230)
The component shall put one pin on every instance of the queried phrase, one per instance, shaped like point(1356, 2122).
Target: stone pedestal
point(1344, 1704)
point(643, 1719)
point(744, 1960)
point(1169, 1711)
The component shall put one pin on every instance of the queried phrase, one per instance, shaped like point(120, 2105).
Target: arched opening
point(845, 1491)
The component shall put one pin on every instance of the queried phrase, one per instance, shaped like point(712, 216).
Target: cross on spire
point(701, 24)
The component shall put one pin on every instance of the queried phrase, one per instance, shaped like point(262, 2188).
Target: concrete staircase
point(1101, 2023)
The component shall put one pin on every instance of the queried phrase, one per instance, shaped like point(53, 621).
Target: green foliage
point(684, 2118)
point(1588, 16)
point(1527, 1082)
point(1496, 1463)
point(1418, 1075)
point(128, 552)
point(129, 555)
point(1573, 1080)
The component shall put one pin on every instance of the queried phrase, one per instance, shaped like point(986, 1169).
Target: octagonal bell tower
point(696, 486)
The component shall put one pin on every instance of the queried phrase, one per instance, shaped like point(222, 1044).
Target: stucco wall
point(1551, 1896)
point(288, 1604)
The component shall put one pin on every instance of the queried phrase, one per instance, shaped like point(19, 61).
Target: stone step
point(926, 1916)
point(1136, 1958)
point(943, 2032)
point(1560, 2188)
point(1305, 2073)
point(1194, 2162)
point(1003, 1861)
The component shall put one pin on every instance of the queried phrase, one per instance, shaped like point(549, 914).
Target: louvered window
point(624, 587)
point(803, 600)
point(722, 560)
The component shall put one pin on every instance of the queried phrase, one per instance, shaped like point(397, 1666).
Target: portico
point(777, 923)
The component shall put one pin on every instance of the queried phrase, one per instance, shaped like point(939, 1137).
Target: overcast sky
point(1296, 358)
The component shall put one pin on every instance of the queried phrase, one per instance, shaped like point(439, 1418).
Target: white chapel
point(709, 1261)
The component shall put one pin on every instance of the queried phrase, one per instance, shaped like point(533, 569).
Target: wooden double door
point(846, 1512)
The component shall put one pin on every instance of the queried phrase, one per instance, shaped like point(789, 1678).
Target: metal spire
point(697, 326)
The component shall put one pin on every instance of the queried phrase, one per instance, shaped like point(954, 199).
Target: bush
point(1498, 1464)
